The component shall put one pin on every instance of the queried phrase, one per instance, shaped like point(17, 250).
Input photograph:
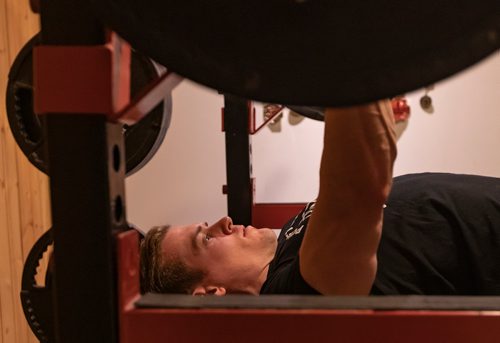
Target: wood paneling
point(24, 196)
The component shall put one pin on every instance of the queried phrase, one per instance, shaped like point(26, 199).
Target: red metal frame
point(149, 98)
point(99, 82)
point(88, 79)
point(252, 120)
point(271, 325)
point(270, 117)
point(274, 215)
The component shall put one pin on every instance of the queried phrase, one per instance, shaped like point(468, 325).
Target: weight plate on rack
point(142, 139)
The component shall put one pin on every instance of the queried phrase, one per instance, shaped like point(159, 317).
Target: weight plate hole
point(116, 158)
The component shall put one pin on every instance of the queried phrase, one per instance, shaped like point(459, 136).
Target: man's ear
point(209, 290)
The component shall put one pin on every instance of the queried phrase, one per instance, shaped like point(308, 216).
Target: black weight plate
point(142, 140)
point(37, 300)
point(25, 126)
point(309, 52)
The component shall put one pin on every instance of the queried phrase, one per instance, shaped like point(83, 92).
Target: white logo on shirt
point(292, 231)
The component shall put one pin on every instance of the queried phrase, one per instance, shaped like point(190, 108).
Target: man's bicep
point(341, 261)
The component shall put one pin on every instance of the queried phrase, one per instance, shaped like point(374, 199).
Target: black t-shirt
point(284, 276)
point(441, 236)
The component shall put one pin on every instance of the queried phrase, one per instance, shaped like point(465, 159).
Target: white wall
point(463, 134)
point(183, 182)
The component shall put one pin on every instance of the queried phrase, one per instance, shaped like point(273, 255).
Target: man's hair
point(161, 274)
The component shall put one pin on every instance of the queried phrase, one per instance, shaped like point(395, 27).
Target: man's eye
point(208, 237)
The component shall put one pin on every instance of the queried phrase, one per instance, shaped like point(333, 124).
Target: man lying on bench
point(441, 232)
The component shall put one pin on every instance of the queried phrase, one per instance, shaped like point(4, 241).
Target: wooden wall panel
point(9, 218)
point(24, 196)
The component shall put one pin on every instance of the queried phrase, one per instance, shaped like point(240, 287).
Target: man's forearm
point(358, 153)
point(338, 255)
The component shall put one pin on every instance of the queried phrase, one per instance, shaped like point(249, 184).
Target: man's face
point(232, 256)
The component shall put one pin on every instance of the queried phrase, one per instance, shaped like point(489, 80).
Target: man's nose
point(223, 226)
